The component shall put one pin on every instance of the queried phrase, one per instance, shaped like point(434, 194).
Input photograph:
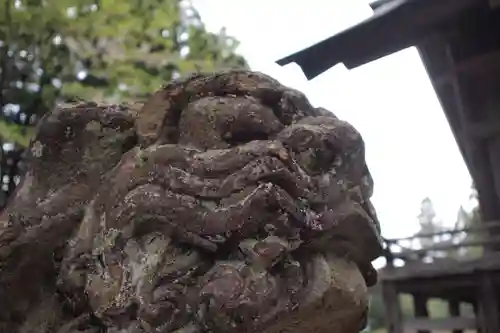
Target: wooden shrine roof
point(459, 43)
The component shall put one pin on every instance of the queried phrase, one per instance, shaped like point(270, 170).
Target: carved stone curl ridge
point(226, 203)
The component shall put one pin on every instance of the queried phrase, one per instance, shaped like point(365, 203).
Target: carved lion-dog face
point(241, 208)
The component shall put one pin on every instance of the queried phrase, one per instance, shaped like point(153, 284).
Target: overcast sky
point(410, 149)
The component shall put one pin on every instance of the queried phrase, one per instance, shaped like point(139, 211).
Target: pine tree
point(428, 223)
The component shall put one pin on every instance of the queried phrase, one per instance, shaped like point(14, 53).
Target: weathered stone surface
point(227, 203)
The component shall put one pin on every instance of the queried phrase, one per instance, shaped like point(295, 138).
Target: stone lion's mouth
point(208, 200)
point(225, 202)
point(261, 182)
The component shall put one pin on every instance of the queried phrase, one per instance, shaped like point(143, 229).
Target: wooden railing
point(487, 236)
point(451, 279)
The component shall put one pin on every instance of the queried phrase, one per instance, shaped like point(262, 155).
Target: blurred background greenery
point(106, 50)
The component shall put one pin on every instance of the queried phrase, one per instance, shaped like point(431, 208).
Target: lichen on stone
point(37, 149)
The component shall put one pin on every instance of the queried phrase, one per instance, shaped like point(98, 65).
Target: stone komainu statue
point(226, 203)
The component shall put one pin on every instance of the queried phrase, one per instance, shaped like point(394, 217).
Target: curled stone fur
point(226, 203)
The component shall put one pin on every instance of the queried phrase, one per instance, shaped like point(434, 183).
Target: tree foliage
point(428, 222)
point(108, 50)
point(467, 219)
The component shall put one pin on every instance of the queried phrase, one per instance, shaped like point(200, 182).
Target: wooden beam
point(475, 154)
point(460, 104)
point(394, 317)
point(493, 147)
point(488, 242)
point(455, 109)
point(421, 311)
point(462, 323)
point(488, 307)
point(437, 288)
point(483, 130)
point(454, 310)
point(449, 271)
point(484, 226)
point(483, 63)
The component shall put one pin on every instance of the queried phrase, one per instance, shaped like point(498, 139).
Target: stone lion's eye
point(305, 160)
point(323, 159)
point(316, 156)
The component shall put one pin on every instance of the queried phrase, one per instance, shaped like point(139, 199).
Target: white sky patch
point(409, 146)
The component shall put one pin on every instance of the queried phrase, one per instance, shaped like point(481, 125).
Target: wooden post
point(454, 311)
point(420, 306)
point(488, 307)
point(388, 254)
point(477, 314)
point(494, 157)
point(392, 308)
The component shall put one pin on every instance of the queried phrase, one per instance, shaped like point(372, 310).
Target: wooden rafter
point(460, 106)
point(483, 130)
point(476, 65)
point(455, 114)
